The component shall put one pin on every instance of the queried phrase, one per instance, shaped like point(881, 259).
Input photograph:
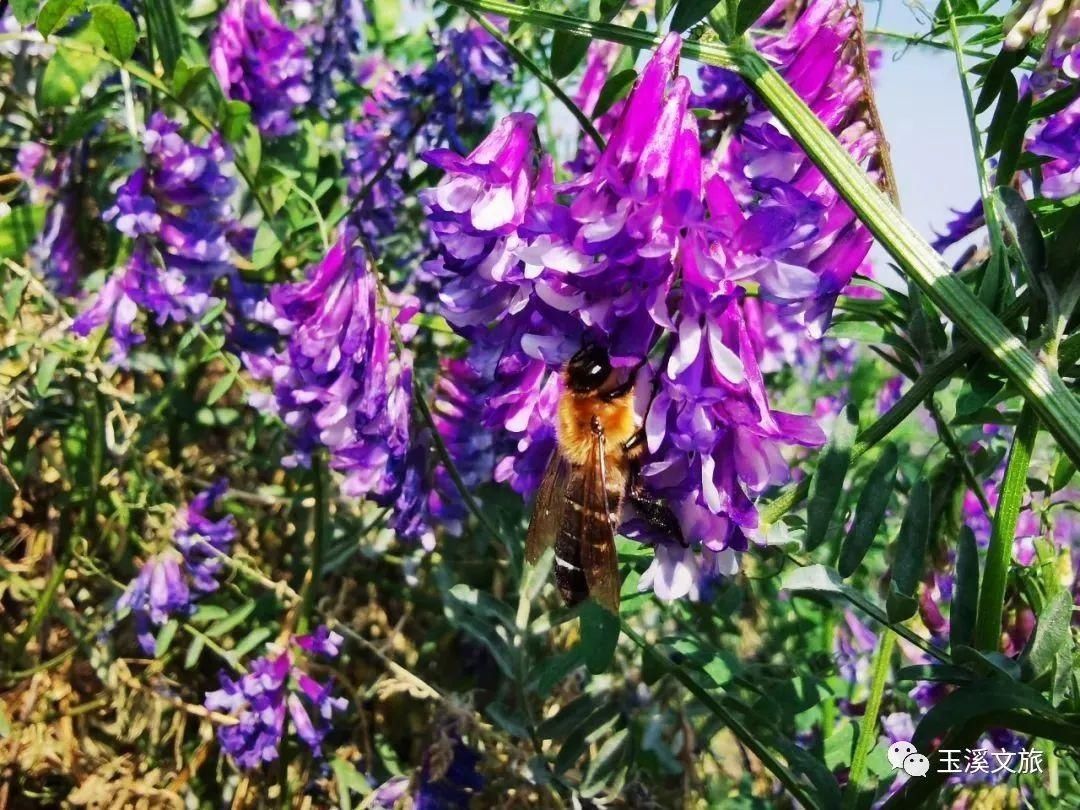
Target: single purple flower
point(203, 540)
point(157, 594)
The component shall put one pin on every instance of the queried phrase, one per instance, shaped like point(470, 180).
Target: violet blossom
point(260, 61)
point(273, 686)
point(649, 243)
point(56, 250)
point(412, 110)
point(339, 382)
point(176, 209)
point(171, 581)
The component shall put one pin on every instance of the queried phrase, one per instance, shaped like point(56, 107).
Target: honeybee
point(593, 468)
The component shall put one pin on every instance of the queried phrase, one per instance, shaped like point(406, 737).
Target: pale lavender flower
point(203, 540)
point(157, 594)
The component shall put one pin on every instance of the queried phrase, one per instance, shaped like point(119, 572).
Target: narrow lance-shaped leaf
point(965, 592)
point(599, 636)
point(1051, 634)
point(869, 512)
point(689, 13)
point(828, 481)
point(910, 551)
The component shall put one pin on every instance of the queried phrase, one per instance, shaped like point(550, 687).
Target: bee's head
point(588, 369)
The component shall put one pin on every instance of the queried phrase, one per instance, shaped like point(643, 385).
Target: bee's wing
point(548, 511)
point(598, 556)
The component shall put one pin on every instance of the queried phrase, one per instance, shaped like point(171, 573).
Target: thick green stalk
point(1041, 386)
point(869, 725)
point(999, 554)
point(320, 521)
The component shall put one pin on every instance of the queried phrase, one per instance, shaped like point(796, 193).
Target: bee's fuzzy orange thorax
point(616, 417)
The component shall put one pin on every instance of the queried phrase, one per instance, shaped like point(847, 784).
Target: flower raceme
point(176, 207)
point(169, 582)
point(650, 254)
point(276, 686)
point(338, 382)
point(260, 61)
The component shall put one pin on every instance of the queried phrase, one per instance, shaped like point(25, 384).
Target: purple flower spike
point(168, 583)
point(259, 700)
point(340, 383)
point(649, 244)
point(260, 61)
point(176, 208)
point(202, 540)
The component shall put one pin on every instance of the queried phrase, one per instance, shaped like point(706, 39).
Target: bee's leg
point(652, 509)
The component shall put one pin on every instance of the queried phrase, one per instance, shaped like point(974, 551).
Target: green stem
point(992, 224)
point(544, 79)
point(999, 554)
point(320, 520)
point(869, 725)
point(744, 734)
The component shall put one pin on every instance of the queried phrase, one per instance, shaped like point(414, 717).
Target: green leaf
point(935, 673)
point(232, 621)
point(1024, 233)
point(208, 613)
point(999, 123)
point(117, 29)
point(869, 511)
point(222, 386)
point(1063, 473)
point(165, 637)
point(828, 481)
point(349, 780)
point(188, 77)
point(55, 14)
point(583, 734)
point(599, 636)
point(616, 87)
point(194, 651)
point(46, 370)
point(981, 699)
point(567, 51)
point(163, 22)
point(1012, 145)
point(1051, 635)
point(689, 13)
point(1001, 67)
point(252, 640)
point(569, 717)
point(966, 590)
point(552, 670)
point(19, 229)
point(267, 245)
point(64, 77)
point(748, 13)
point(235, 117)
point(607, 770)
point(913, 539)
point(24, 10)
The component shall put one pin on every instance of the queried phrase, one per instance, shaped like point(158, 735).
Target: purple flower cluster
point(56, 250)
point(259, 700)
point(418, 109)
point(648, 249)
point(260, 61)
point(339, 382)
point(176, 209)
point(337, 40)
point(170, 581)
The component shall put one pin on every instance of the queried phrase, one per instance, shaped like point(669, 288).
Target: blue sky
point(922, 111)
